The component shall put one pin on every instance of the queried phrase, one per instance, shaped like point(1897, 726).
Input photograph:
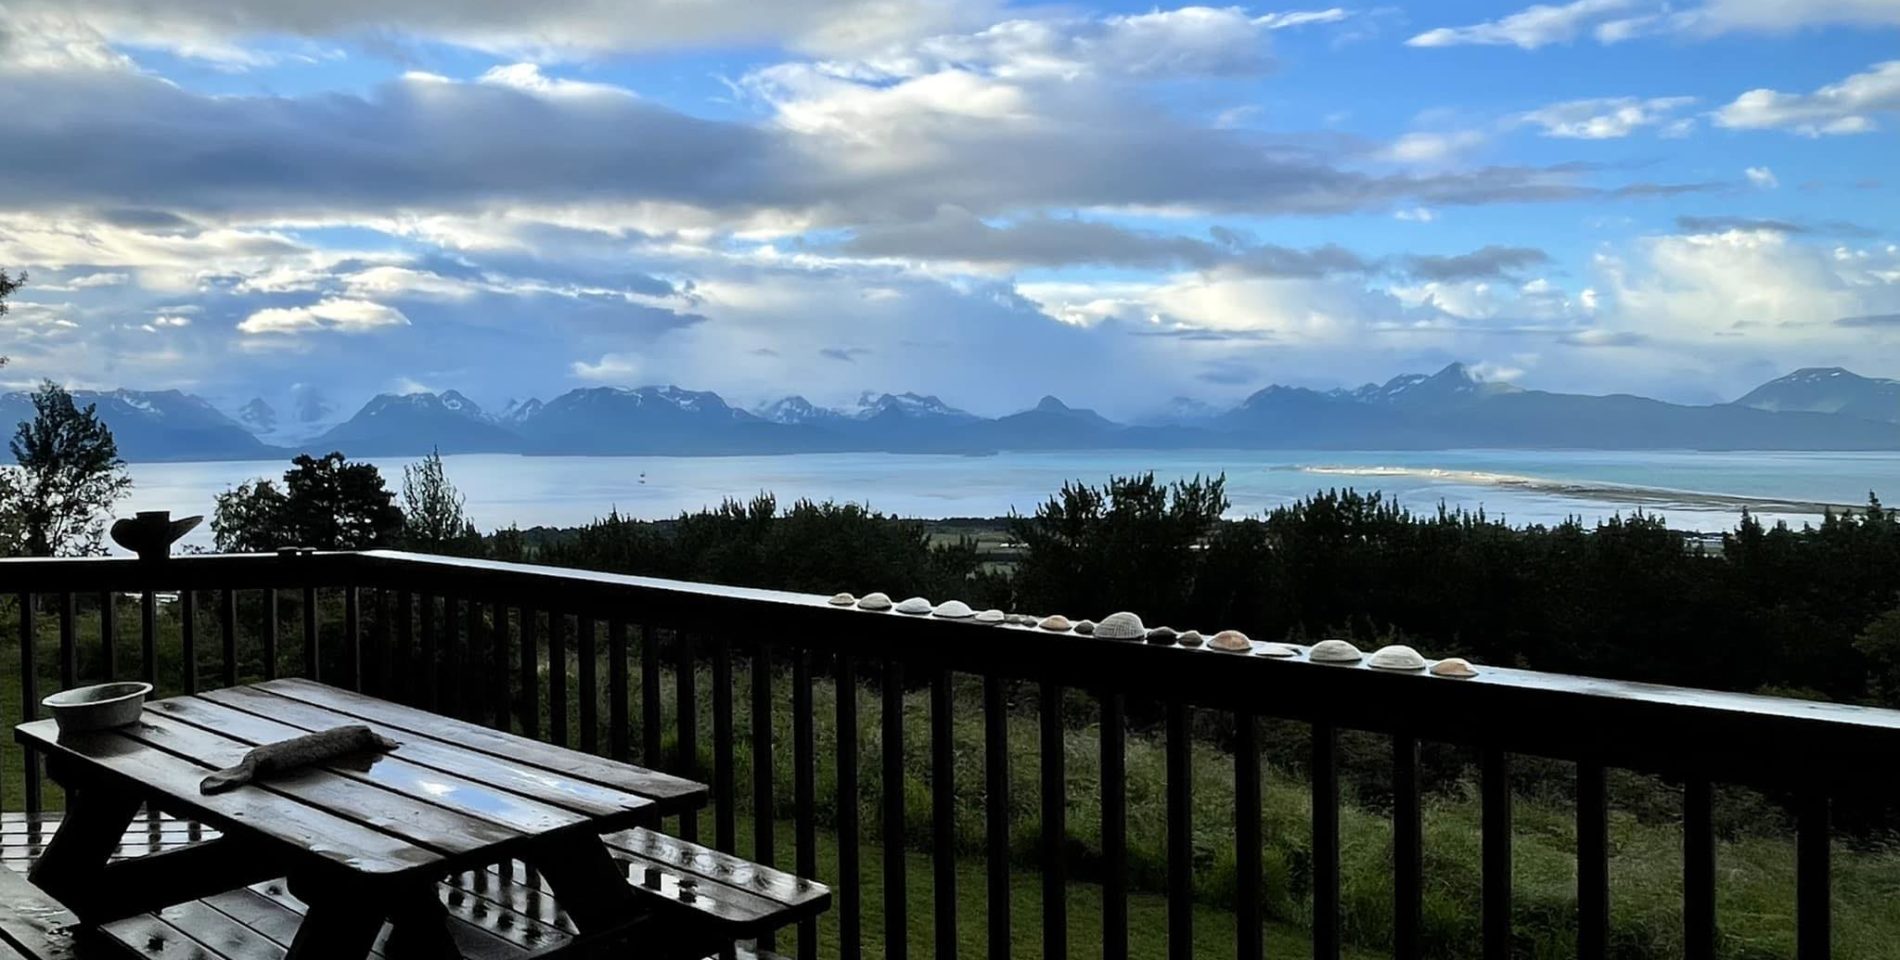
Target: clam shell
point(842, 600)
point(1022, 620)
point(1396, 657)
point(1334, 651)
point(1162, 635)
point(1230, 641)
point(916, 606)
point(1085, 627)
point(1056, 622)
point(1276, 650)
point(1121, 626)
point(1190, 638)
point(989, 616)
point(875, 601)
point(953, 610)
point(1453, 667)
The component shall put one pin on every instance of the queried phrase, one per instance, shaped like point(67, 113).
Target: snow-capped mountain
point(795, 409)
point(407, 424)
point(155, 424)
point(258, 417)
point(517, 411)
point(1455, 383)
point(1828, 390)
point(872, 405)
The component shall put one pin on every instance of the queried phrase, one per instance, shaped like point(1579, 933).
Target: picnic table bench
point(462, 842)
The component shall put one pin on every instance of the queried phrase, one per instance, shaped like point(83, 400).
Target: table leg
point(339, 924)
point(588, 882)
point(73, 868)
point(419, 929)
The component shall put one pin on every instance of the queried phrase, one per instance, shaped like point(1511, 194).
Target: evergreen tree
point(434, 520)
point(58, 499)
point(325, 502)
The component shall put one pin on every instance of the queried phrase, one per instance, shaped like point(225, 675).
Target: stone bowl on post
point(151, 533)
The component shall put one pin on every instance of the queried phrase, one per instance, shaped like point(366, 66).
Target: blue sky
point(1116, 203)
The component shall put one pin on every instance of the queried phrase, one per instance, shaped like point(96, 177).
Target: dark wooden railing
point(491, 642)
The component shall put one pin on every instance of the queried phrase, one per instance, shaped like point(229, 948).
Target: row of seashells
point(1128, 626)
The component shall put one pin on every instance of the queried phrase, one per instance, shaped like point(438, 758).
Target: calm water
point(1699, 491)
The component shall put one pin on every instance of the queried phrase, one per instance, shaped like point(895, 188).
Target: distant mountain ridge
point(1828, 390)
point(1809, 409)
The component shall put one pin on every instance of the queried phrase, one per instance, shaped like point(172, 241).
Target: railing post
point(850, 880)
point(1325, 806)
point(1180, 750)
point(1114, 788)
point(1247, 932)
point(996, 812)
point(1813, 873)
point(1408, 853)
point(943, 816)
point(1698, 870)
point(29, 702)
point(1495, 792)
point(1055, 828)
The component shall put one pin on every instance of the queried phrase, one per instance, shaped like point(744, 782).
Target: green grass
point(1755, 856)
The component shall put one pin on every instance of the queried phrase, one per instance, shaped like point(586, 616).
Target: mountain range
point(1809, 409)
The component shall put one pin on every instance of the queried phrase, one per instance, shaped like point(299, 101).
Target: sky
point(1116, 203)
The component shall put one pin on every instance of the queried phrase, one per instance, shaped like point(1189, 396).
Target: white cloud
point(331, 313)
point(1838, 108)
point(1616, 21)
point(1605, 118)
point(219, 30)
point(1415, 215)
point(528, 78)
point(1762, 178)
point(1527, 29)
point(1431, 148)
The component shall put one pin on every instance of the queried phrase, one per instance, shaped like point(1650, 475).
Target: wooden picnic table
point(361, 844)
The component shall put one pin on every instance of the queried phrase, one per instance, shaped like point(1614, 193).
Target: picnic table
point(362, 844)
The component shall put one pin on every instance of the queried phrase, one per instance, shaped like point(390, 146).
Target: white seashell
point(1056, 622)
point(1022, 619)
point(1334, 651)
point(989, 616)
point(1396, 657)
point(1230, 641)
point(1453, 667)
point(1121, 626)
point(875, 601)
point(842, 600)
point(1190, 638)
point(1085, 627)
point(1163, 636)
point(953, 610)
point(916, 606)
point(1276, 650)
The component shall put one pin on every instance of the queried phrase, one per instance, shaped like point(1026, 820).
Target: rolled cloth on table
point(308, 750)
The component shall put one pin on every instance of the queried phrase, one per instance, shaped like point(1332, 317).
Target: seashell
point(989, 616)
point(1121, 626)
point(1230, 641)
point(1190, 638)
point(1453, 667)
point(1085, 627)
point(953, 610)
point(1162, 635)
point(1396, 657)
point(1021, 620)
point(1334, 651)
point(842, 600)
point(1276, 650)
point(1056, 622)
point(875, 601)
point(915, 606)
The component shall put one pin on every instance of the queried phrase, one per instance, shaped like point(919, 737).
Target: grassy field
point(1755, 856)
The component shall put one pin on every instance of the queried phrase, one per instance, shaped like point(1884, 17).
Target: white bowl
point(98, 707)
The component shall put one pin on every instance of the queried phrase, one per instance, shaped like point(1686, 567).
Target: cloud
point(1878, 320)
point(1617, 21)
point(1762, 177)
point(1430, 148)
point(331, 313)
point(545, 28)
point(843, 354)
point(1696, 224)
point(1491, 261)
point(1608, 118)
point(1415, 215)
point(1846, 107)
point(1527, 29)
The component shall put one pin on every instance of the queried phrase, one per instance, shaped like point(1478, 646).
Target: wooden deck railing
point(474, 638)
